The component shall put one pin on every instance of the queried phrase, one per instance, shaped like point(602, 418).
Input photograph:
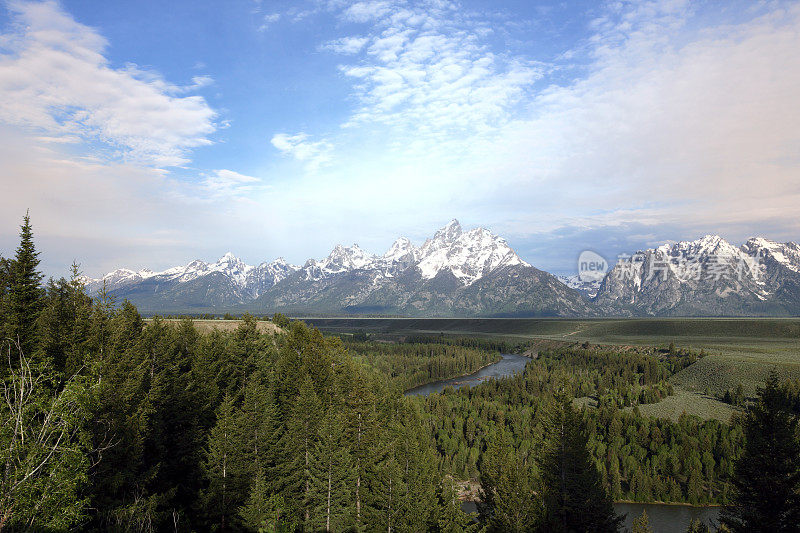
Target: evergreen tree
point(264, 512)
point(297, 447)
point(259, 428)
point(641, 524)
point(331, 473)
point(696, 526)
point(25, 292)
point(361, 428)
point(219, 465)
point(451, 517)
point(510, 492)
point(767, 477)
point(574, 496)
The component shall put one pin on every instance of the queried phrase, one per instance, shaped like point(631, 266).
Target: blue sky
point(147, 134)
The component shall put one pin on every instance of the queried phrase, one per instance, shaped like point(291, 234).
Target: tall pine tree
point(510, 493)
point(767, 477)
point(219, 467)
point(25, 292)
point(574, 496)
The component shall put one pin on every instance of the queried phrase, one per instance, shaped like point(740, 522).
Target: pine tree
point(510, 492)
point(259, 428)
point(25, 292)
point(265, 512)
point(297, 446)
point(574, 496)
point(218, 467)
point(331, 473)
point(767, 477)
point(361, 430)
point(641, 524)
point(451, 518)
point(696, 526)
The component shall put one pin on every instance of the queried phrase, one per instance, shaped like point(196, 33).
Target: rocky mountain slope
point(706, 277)
point(476, 273)
point(454, 273)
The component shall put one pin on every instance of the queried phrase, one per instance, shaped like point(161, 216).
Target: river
point(663, 518)
point(509, 365)
point(667, 518)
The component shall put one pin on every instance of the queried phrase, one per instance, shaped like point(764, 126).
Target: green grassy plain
point(691, 403)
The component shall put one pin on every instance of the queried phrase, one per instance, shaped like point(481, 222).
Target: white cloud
point(269, 20)
point(367, 11)
point(55, 80)
point(429, 73)
point(346, 45)
point(225, 182)
point(313, 153)
point(676, 124)
point(673, 126)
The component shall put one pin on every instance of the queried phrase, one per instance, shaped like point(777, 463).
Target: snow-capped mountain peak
point(443, 238)
point(400, 248)
point(347, 258)
point(786, 254)
point(702, 247)
point(469, 256)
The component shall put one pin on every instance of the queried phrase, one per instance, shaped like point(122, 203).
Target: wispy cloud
point(368, 11)
point(427, 68)
point(227, 183)
point(312, 153)
point(346, 45)
point(55, 80)
point(268, 20)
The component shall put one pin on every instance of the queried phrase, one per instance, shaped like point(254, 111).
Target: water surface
point(509, 365)
point(667, 518)
point(662, 518)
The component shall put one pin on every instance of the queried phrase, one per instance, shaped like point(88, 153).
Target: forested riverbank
point(111, 423)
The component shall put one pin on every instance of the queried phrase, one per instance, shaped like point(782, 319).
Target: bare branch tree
point(43, 446)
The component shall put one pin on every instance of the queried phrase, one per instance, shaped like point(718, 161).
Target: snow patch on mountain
point(469, 256)
point(786, 254)
point(574, 281)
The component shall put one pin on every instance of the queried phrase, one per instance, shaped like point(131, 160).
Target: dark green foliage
point(280, 320)
point(44, 448)
point(265, 512)
point(639, 458)
point(410, 364)
point(767, 478)
point(510, 488)
point(24, 294)
point(222, 470)
point(451, 517)
point(574, 496)
point(696, 526)
point(167, 428)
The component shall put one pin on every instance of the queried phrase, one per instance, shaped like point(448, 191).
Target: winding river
point(663, 518)
point(509, 365)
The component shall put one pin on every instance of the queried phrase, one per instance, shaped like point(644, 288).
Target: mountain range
point(476, 273)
